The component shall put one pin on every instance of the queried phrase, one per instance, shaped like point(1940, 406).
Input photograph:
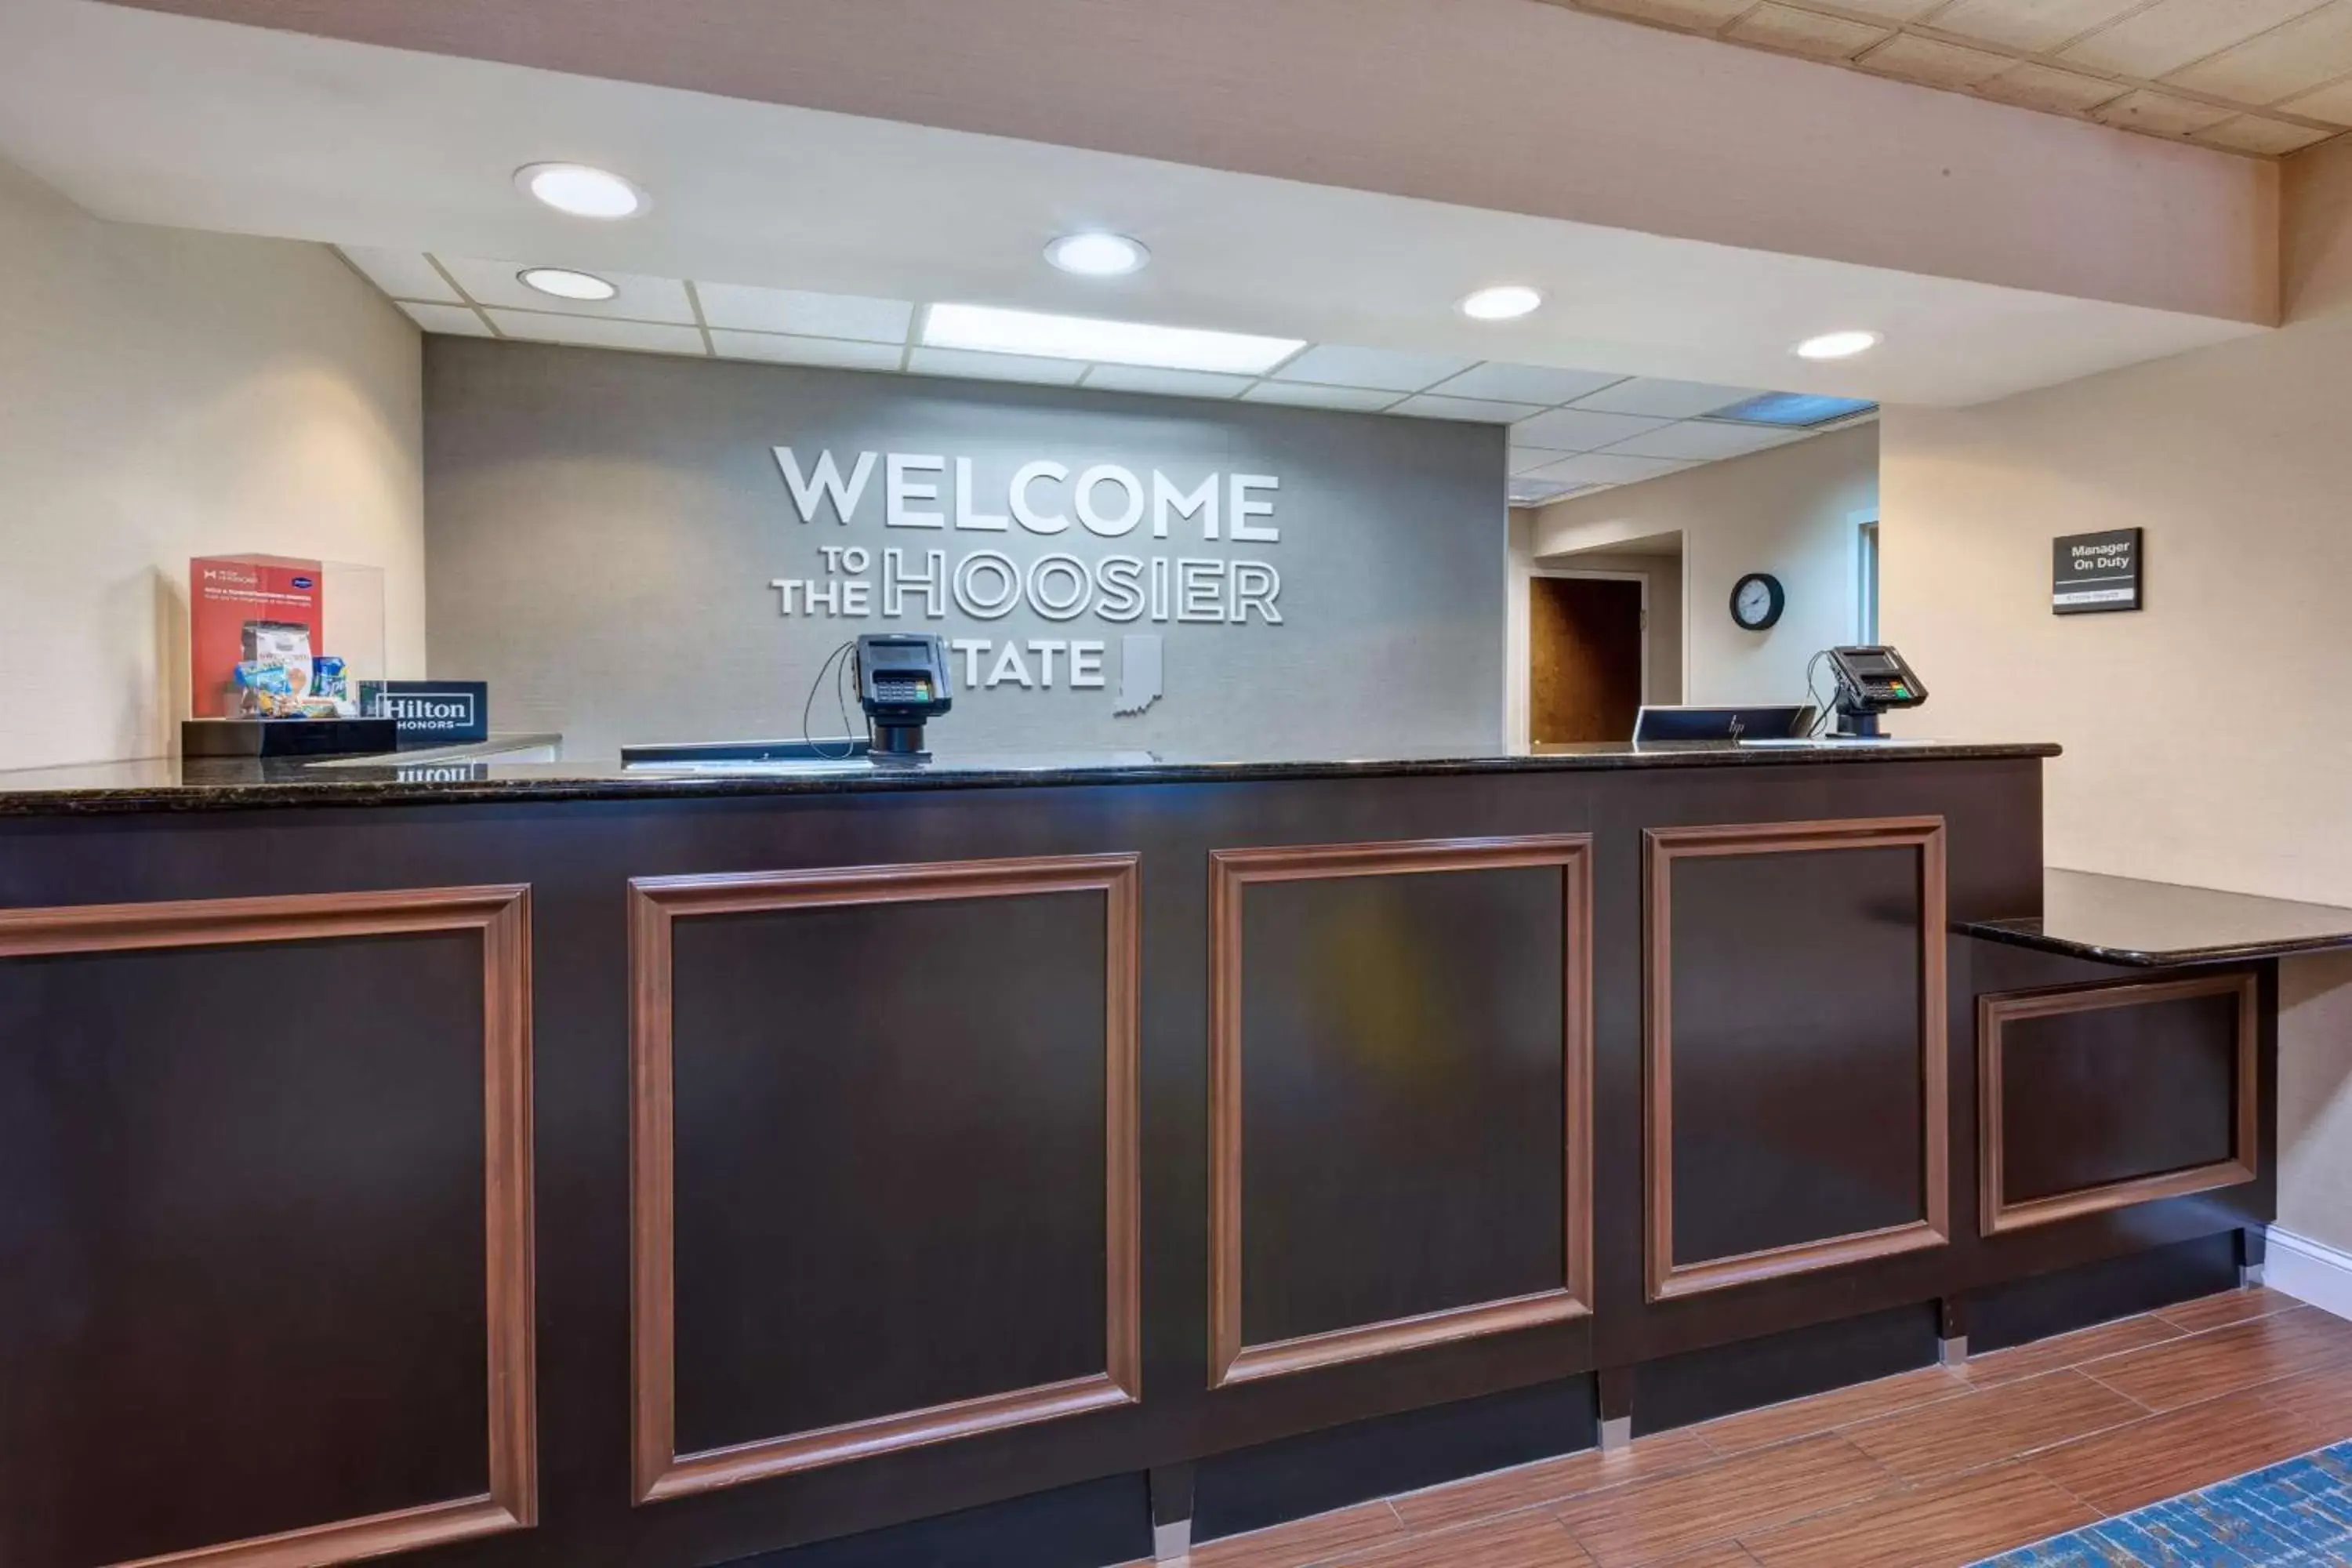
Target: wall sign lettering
point(1131, 546)
point(2091, 572)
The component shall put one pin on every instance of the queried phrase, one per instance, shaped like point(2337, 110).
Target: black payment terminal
point(902, 682)
point(1871, 681)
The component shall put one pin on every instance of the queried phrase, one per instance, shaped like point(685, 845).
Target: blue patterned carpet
point(2288, 1516)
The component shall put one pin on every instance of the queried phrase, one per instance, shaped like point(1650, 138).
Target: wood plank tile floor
point(1932, 1469)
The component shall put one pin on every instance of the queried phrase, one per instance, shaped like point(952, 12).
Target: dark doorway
point(1584, 650)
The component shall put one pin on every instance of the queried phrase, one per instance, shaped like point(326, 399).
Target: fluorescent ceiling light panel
point(992, 329)
point(1797, 410)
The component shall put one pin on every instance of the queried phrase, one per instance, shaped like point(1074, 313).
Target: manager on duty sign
point(2094, 572)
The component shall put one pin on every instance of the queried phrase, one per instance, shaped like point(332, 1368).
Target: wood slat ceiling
point(2263, 78)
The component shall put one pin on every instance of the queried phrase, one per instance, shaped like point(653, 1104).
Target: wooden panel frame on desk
point(502, 915)
point(1232, 871)
point(1662, 847)
point(659, 1472)
point(1995, 1217)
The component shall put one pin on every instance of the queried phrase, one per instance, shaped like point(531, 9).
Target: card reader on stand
point(902, 682)
point(1871, 681)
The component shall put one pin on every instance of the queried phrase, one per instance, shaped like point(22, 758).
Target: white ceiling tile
point(1528, 460)
point(2332, 103)
point(2265, 137)
point(1168, 383)
point(2158, 114)
point(1773, 26)
point(1608, 468)
point(1666, 399)
point(1305, 395)
point(974, 364)
point(640, 299)
point(777, 349)
point(1909, 57)
point(2174, 33)
point(2047, 88)
point(1332, 364)
point(1543, 492)
point(2032, 25)
point(403, 274)
point(2315, 48)
point(804, 314)
point(1540, 384)
point(1477, 411)
point(1575, 430)
point(589, 331)
point(1704, 441)
point(1889, 10)
point(1700, 16)
point(449, 320)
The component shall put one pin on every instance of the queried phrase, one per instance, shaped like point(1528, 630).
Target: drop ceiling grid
point(2261, 77)
point(1595, 437)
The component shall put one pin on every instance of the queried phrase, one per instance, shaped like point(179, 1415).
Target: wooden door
point(1584, 650)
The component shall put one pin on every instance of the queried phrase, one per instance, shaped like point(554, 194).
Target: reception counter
point(553, 1164)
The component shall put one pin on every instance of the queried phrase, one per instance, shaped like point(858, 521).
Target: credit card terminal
point(1871, 681)
point(902, 682)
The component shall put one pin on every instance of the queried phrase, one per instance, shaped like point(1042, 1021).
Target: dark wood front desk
point(551, 1168)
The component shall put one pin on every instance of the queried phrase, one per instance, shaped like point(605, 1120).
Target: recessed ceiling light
point(1837, 345)
point(1098, 255)
point(994, 330)
point(1504, 303)
point(582, 191)
point(565, 284)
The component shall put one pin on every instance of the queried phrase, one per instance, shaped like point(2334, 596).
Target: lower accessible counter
point(549, 1167)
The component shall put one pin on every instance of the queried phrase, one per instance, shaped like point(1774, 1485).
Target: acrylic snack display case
point(278, 646)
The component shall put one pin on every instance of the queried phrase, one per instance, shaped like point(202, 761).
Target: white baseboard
point(2309, 1271)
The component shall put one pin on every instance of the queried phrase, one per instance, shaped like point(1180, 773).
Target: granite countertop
point(2122, 919)
point(448, 777)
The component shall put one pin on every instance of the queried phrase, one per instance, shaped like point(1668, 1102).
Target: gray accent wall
point(603, 529)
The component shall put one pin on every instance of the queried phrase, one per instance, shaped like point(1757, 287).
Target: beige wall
point(166, 394)
point(2208, 737)
point(1789, 510)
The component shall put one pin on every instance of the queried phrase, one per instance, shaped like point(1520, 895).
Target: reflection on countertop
point(485, 771)
point(2123, 919)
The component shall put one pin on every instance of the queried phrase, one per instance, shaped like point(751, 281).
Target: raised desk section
point(555, 1164)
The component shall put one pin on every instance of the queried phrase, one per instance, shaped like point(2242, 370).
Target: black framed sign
point(2090, 572)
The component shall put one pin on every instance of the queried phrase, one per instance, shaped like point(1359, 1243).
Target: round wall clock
point(1756, 601)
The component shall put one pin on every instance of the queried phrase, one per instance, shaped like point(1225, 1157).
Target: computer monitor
point(1657, 724)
